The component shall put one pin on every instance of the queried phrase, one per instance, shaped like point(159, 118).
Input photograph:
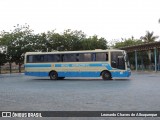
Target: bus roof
point(83, 51)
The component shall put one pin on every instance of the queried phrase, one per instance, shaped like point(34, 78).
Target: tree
point(93, 43)
point(149, 37)
point(2, 59)
point(40, 42)
point(57, 42)
point(18, 42)
point(73, 39)
point(5, 38)
point(127, 42)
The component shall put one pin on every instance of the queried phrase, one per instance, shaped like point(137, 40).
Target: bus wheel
point(106, 75)
point(53, 75)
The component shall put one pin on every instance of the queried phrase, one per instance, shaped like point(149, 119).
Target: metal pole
point(155, 59)
point(142, 64)
point(136, 59)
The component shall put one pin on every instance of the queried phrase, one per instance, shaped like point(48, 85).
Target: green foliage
point(149, 37)
point(73, 39)
point(127, 42)
point(17, 43)
point(2, 58)
point(68, 41)
point(94, 43)
point(22, 40)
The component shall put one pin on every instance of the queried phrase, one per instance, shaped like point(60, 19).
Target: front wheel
point(53, 75)
point(106, 75)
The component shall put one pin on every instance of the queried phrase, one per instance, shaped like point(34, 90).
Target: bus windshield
point(117, 60)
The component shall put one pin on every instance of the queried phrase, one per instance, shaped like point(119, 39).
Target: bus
point(107, 64)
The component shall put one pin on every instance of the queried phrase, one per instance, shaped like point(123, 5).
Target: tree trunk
point(149, 56)
point(10, 67)
point(19, 67)
point(0, 69)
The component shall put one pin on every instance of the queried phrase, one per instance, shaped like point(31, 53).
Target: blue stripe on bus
point(38, 65)
point(38, 74)
point(108, 67)
point(79, 74)
point(65, 74)
point(121, 74)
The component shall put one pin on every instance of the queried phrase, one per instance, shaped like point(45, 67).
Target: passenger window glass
point(69, 58)
point(86, 57)
point(101, 56)
point(52, 58)
point(29, 58)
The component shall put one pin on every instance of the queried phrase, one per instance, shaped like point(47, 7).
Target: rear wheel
point(53, 75)
point(106, 75)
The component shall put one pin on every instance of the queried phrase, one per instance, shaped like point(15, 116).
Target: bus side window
point(45, 57)
point(77, 57)
point(69, 58)
point(65, 57)
point(94, 57)
point(101, 56)
point(41, 58)
point(50, 58)
point(59, 58)
point(72, 57)
point(81, 57)
point(37, 58)
point(85, 57)
point(53, 58)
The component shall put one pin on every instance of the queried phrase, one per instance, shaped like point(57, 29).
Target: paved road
point(140, 92)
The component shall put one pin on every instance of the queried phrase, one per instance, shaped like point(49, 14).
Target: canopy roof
point(141, 47)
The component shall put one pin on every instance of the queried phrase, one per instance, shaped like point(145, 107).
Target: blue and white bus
point(90, 63)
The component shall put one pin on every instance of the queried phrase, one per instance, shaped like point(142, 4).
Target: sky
point(111, 19)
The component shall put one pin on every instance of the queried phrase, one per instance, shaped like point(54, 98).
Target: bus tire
point(106, 75)
point(53, 75)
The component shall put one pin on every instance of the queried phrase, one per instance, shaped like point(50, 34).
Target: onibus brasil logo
point(21, 114)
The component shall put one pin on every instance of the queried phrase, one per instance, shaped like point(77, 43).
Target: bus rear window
point(29, 58)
